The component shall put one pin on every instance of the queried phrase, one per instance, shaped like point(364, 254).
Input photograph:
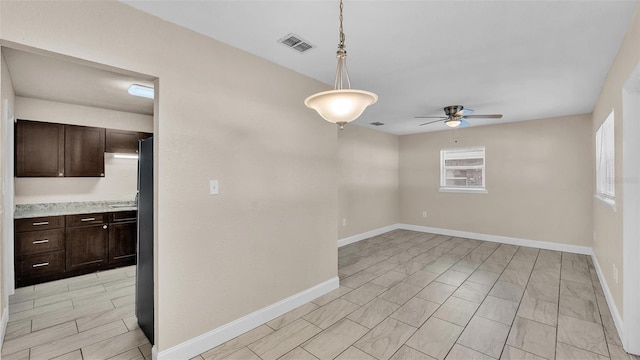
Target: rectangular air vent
point(377, 123)
point(295, 42)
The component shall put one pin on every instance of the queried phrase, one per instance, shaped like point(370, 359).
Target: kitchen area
point(82, 199)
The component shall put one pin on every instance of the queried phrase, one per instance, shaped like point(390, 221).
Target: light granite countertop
point(70, 208)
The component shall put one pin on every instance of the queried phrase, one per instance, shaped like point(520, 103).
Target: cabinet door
point(122, 243)
point(86, 247)
point(122, 141)
point(84, 151)
point(39, 149)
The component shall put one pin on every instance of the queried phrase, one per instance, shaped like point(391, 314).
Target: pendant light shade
point(341, 106)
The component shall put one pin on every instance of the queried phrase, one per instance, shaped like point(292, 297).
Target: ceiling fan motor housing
point(453, 110)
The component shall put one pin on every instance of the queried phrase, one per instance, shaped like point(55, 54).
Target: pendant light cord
point(341, 44)
point(342, 58)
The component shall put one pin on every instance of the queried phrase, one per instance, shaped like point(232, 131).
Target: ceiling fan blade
point(463, 123)
point(431, 122)
point(463, 112)
point(493, 116)
point(430, 117)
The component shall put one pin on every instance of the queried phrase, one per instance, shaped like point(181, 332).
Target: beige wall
point(221, 114)
point(368, 180)
point(120, 180)
point(538, 177)
point(608, 224)
point(6, 225)
point(51, 111)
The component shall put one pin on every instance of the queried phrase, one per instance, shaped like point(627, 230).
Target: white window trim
point(607, 127)
point(606, 201)
point(464, 190)
point(467, 190)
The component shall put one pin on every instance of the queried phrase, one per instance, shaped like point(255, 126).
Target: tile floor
point(403, 295)
point(85, 317)
point(410, 295)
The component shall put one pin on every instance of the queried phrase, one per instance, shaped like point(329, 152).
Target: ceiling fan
point(456, 116)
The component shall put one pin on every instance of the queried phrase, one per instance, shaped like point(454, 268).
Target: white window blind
point(462, 169)
point(605, 160)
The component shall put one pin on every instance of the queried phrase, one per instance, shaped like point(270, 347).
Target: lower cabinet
point(123, 233)
point(56, 247)
point(39, 249)
point(87, 247)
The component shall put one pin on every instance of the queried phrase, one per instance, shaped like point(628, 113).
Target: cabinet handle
point(88, 219)
point(41, 241)
point(41, 223)
point(40, 265)
point(104, 226)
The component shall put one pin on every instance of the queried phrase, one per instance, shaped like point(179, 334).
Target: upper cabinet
point(39, 149)
point(84, 151)
point(123, 141)
point(55, 150)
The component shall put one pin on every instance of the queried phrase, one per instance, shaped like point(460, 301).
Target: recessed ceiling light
point(141, 90)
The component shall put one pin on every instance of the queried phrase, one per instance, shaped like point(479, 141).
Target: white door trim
point(631, 212)
point(7, 188)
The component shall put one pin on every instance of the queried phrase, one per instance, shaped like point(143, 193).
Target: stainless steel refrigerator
point(144, 271)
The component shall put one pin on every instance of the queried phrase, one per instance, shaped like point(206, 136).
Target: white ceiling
point(48, 78)
point(524, 59)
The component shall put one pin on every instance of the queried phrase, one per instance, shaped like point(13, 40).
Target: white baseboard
point(366, 235)
point(154, 352)
point(215, 337)
point(585, 250)
point(617, 319)
point(5, 321)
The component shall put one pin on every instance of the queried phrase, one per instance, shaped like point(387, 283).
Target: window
point(605, 162)
point(462, 170)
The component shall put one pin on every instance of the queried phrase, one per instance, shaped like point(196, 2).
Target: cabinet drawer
point(122, 216)
point(85, 219)
point(39, 223)
point(35, 242)
point(42, 264)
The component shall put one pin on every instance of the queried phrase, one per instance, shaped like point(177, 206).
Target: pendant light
point(340, 105)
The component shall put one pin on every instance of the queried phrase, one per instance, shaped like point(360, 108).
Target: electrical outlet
point(424, 214)
point(344, 222)
point(615, 273)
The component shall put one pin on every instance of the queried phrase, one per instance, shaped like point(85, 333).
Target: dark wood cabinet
point(39, 149)
point(56, 150)
point(122, 243)
point(55, 247)
point(86, 245)
point(123, 234)
point(84, 151)
point(39, 249)
point(123, 141)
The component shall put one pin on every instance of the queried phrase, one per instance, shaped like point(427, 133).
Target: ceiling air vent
point(295, 42)
point(377, 123)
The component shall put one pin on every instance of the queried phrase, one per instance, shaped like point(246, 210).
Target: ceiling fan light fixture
point(341, 106)
point(453, 122)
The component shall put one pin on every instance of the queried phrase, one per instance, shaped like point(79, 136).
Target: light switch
point(213, 187)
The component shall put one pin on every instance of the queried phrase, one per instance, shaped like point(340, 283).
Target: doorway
point(631, 214)
point(102, 91)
